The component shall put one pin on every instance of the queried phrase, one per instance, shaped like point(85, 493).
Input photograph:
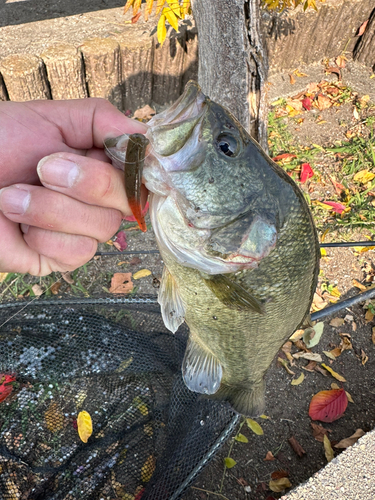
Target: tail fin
point(250, 402)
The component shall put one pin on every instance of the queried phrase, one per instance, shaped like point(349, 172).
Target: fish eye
point(227, 144)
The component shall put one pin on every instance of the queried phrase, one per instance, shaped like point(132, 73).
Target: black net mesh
point(117, 362)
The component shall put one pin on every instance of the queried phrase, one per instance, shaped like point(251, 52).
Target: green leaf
point(254, 426)
point(299, 380)
point(312, 336)
point(241, 438)
point(229, 462)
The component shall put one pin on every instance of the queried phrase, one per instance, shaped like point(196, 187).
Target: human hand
point(61, 195)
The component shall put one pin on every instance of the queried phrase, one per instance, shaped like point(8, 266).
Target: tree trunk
point(233, 61)
point(365, 48)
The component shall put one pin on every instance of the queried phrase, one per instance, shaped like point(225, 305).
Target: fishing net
point(62, 363)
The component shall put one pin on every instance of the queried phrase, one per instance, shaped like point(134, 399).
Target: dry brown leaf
point(364, 357)
point(67, 277)
point(37, 289)
point(336, 352)
point(324, 102)
point(269, 456)
point(296, 446)
point(279, 484)
point(278, 474)
point(336, 322)
point(312, 356)
point(310, 367)
point(319, 431)
point(284, 363)
point(373, 335)
point(297, 335)
point(345, 443)
point(341, 61)
point(318, 302)
point(329, 355)
point(350, 399)
point(321, 370)
point(362, 28)
point(145, 113)
point(292, 79)
point(121, 283)
point(328, 449)
point(369, 316)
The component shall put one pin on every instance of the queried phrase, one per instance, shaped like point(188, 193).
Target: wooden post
point(137, 50)
point(65, 71)
point(168, 68)
point(103, 69)
point(365, 49)
point(3, 90)
point(25, 77)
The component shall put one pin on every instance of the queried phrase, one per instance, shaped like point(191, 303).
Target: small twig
point(210, 492)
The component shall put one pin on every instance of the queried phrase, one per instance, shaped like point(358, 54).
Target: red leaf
point(131, 218)
point(139, 494)
point(136, 17)
point(362, 28)
point(339, 188)
point(121, 240)
point(328, 406)
point(284, 156)
point(306, 172)
point(338, 208)
point(5, 385)
point(306, 103)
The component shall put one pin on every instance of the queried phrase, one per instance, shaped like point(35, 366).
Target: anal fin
point(172, 308)
point(201, 370)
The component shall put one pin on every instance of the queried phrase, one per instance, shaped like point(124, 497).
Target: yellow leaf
point(299, 380)
point(128, 4)
point(264, 416)
point(363, 176)
point(148, 469)
point(241, 438)
point(3, 276)
point(171, 18)
point(54, 418)
point(159, 6)
point(185, 7)
point(161, 30)
point(334, 374)
point(254, 426)
point(323, 252)
point(335, 292)
point(141, 274)
point(136, 6)
point(350, 399)
point(297, 335)
point(334, 386)
point(229, 462)
point(84, 425)
point(329, 355)
point(328, 448)
point(278, 485)
point(175, 7)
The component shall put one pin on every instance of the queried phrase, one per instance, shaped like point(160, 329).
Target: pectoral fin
point(201, 370)
point(232, 295)
point(172, 308)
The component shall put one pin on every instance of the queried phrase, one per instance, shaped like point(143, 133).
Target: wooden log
point(137, 51)
point(65, 71)
point(168, 68)
point(364, 51)
point(25, 77)
point(3, 90)
point(103, 69)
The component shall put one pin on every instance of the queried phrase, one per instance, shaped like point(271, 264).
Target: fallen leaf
point(318, 302)
point(334, 374)
point(285, 157)
point(121, 241)
point(312, 336)
point(336, 322)
point(284, 363)
point(292, 79)
point(135, 18)
point(279, 484)
point(145, 113)
point(323, 102)
point(350, 399)
point(319, 431)
point(336, 207)
point(312, 356)
point(54, 417)
point(355, 113)
point(364, 176)
point(345, 443)
point(55, 287)
point(3, 276)
point(310, 367)
point(297, 335)
point(296, 446)
point(6, 386)
point(121, 283)
point(139, 494)
point(84, 426)
point(329, 355)
point(369, 316)
point(269, 456)
point(67, 277)
point(328, 406)
point(148, 469)
point(241, 438)
point(37, 289)
point(306, 103)
point(278, 474)
point(373, 335)
point(328, 449)
point(229, 462)
point(364, 357)
point(333, 69)
point(321, 370)
point(254, 426)
point(141, 274)
point(362, 28)
point(306, 172)
point(341, 61)
point(299, 380)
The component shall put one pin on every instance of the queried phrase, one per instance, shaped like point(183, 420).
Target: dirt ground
point(286, 405)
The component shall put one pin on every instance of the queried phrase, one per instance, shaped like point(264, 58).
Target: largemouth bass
point(237, 238)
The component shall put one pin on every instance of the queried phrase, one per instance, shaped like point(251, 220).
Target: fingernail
point(14, 200)
point(57, 172)
point(24, 228)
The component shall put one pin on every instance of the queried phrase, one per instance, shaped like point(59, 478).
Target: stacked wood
point(365, 49)
point(25, 77)
point(103, 69)
point(65, 71)
point(137, 53)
